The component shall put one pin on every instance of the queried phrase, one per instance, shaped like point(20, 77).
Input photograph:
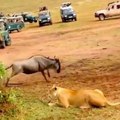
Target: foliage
point(2, 71)
point(3, 74)
point(8, 96)
point(10, 103)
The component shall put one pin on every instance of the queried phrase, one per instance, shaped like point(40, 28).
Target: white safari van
point(113, 9)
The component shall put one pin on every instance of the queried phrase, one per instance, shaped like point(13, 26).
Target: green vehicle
point(45, 18)
point(5, 39)
point(14, 23)
point(28, 17)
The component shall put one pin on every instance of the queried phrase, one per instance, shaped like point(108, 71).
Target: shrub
point(7, 96)
point(10, 99)
point(3, 73)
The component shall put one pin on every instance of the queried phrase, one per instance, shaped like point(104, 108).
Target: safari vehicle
point(27, 17)
point(44, 17)
point(113, 9)
point(5, 39)
point(67, 12)
point(14, 23)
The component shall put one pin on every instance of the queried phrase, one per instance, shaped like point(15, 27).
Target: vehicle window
point(29, 14)
point(9, 20)
point(14, 20)
point(108, 8)
point(112, 6)
point(118, 6)
point(44, 14)
point(66, 11)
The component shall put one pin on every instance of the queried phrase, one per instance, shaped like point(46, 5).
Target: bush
point(10, 99)
point(3, 73)
point(7, 96)
point(10, 102)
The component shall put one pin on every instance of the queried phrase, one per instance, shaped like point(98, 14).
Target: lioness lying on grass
point(82, 98)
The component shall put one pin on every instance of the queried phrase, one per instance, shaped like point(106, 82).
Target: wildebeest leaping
point(35, 64)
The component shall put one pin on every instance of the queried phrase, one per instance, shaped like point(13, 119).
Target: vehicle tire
point(35, 21)
point(50, 22)
point(30, 21)
point(101, 17)
point(18, 28)
point(63, 20)
point(75, 19)
point(9, 31)
point(8, 43)
point(40, 24)
point(3, 44)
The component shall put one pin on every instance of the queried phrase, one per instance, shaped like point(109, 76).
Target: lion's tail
point(9, 67)
point(113, 104)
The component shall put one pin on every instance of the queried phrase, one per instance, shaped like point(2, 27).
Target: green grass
point(35, 109)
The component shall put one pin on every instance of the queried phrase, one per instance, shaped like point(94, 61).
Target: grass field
point(94, 36)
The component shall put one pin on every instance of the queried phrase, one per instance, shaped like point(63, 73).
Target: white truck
point(112, 10)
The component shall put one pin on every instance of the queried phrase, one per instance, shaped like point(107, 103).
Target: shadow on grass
point(15, 85)
point(106, 19)
point(60, 22)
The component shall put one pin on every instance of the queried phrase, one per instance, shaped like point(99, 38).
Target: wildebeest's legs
point(44, 76)
point(8, 79)
point(48, 73)
point(7, 82)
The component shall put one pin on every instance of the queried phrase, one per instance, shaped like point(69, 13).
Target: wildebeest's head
point(57, 65)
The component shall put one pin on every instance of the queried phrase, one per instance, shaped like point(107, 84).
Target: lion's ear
point(54, 87)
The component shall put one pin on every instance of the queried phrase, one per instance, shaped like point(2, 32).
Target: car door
point(13, 26)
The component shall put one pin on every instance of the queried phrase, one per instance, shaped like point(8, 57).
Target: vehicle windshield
point(29, 14)
point(44, 14)
point(68, 11)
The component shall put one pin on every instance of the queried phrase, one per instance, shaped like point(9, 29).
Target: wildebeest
point(35, 64)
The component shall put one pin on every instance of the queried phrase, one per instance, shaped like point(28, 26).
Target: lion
point(83, 98)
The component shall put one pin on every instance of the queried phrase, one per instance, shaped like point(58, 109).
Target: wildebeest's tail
point(9, 67)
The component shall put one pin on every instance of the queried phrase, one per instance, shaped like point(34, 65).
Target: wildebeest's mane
point(38, 55)
point(56, 59)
